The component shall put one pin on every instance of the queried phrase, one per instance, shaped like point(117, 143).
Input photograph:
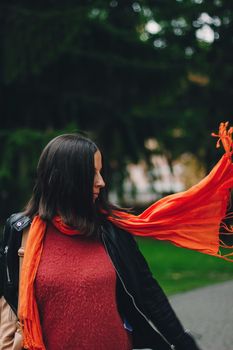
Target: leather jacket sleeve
point(1, 266)
point(9, 259)
point(147, 295)
point(159, 308)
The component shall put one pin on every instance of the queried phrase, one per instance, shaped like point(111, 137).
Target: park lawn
point(178, 269)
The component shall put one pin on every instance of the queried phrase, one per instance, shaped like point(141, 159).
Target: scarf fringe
point(226, 231)
point(225, 137)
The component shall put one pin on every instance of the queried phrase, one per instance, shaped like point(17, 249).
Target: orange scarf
point(28, 310)
point(191, 219)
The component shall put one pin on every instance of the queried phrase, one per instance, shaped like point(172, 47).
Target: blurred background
point(147, 80)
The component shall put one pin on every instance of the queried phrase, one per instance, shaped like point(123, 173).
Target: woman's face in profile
point(98, 180)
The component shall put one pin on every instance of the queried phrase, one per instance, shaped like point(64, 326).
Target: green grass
point(178, 269)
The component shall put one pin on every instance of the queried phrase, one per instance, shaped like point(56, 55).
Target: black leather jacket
point(142, 303)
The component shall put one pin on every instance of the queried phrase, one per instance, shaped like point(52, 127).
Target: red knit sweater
point(75, 291)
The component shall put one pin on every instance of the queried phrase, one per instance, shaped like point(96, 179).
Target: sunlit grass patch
point(179, 269)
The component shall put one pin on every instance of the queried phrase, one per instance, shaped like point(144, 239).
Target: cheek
point(95, 180)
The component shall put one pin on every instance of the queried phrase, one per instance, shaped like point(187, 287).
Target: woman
point(84, 284)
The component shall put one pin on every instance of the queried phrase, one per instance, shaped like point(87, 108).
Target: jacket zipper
point(7, 268)
point(136, 307)
point(8, 278)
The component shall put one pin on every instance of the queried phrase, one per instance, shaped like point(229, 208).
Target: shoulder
point(18, 221)
point(124, 250)
point(113, 230)
point(15, 223)
point(117, 236)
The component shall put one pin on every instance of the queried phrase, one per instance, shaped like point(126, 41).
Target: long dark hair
point(64, 185)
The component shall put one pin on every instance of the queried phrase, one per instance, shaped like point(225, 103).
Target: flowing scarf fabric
point(189, 219)
point(196, 218)
point(192, 219)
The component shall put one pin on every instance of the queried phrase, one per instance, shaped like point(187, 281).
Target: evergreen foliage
point(99, 65)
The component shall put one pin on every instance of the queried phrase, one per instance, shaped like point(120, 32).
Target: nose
point(99, 181)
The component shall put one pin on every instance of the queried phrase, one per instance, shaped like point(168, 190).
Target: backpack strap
point(21, 252)
point(22, 248)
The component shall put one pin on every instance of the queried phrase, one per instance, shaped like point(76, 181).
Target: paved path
point(208, 313)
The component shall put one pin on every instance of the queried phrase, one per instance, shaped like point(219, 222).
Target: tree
point(104, 68)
